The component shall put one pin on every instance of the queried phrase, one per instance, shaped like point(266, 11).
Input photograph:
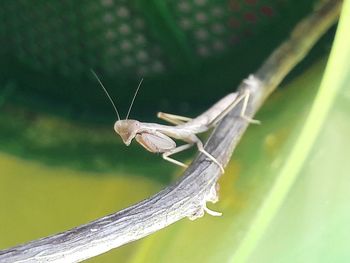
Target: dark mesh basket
point(182, 49)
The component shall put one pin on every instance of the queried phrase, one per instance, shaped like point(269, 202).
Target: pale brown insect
point(157, 138)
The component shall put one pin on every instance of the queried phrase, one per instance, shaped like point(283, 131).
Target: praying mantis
point(158, 138)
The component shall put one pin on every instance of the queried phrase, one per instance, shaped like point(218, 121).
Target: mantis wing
point(155, 142)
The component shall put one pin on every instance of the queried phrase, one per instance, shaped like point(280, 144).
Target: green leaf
point(315, 160)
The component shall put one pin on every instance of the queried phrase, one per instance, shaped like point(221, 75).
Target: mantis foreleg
point(245, 98)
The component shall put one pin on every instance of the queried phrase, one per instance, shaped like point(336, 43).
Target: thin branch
point(188, 196)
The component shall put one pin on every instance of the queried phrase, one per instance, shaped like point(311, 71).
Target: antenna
point(133, 99)
point(105, 90)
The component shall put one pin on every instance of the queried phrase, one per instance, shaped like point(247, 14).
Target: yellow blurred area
point(38, 200)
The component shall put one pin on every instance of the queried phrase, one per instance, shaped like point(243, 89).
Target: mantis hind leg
point(181, 148)
point(245, 97)
point(172, 118)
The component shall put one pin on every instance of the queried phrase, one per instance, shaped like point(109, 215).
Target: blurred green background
point(61, 164)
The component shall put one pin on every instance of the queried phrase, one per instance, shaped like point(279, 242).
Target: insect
point(158, 138)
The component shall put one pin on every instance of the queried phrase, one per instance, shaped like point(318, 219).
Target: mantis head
point(127, 129)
